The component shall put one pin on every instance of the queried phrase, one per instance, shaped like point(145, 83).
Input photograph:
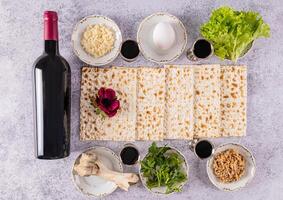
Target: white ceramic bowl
point(94, 185)
point(162, 190)
point(248, 174)
point(145, 38)
point(82, 54)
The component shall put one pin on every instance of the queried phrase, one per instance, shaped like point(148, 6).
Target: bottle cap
point(50, 15)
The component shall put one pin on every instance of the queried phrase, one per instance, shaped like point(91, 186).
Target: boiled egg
point(163, 36)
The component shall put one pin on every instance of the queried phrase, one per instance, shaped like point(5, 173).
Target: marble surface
point(24, 177)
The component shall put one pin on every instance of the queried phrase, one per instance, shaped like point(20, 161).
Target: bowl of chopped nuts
point(231, 167)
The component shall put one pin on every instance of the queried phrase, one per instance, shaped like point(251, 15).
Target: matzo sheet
point(150, 103)
point(179, 106)
point(121, 127)
point(233, 100)
point(206, 101)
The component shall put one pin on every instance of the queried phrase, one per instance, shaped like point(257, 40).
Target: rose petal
point(97, 100)
point(101, 107)
point(109, 94)
point(115, 105)
point(112, 114)
point(101, 92)
point(107, 112)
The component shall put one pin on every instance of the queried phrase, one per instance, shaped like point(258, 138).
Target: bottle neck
point(51, 32)
point(51, 47)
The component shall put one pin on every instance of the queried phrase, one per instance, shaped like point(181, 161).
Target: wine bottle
point(51, 86)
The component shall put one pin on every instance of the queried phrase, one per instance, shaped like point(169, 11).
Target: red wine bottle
point(51, 82)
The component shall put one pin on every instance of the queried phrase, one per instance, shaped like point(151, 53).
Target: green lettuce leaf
point(232, 32)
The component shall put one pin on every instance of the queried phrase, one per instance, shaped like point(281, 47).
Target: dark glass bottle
point(51, 86)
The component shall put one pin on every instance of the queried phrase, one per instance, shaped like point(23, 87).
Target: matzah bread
point(151, 103)
point(121, 127)
point(233, 100)
point(175, 102)
point(179, 102)
point(206, 101)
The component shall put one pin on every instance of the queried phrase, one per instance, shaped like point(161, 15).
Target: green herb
point(97, 110)
point(232, 32)
point(162, 168)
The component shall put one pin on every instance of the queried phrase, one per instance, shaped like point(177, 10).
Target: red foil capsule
point(50, 25)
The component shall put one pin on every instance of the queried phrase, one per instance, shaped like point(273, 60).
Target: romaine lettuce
point(231, 32)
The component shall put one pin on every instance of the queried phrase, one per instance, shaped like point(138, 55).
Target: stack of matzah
point(174, 102)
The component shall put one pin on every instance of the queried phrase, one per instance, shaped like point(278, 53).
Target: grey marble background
point(24, 177)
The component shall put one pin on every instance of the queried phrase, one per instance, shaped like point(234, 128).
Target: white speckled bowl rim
point(88, 149)
point(107, 59)
point(186, 166)
point(227, 188)
point(178, 54)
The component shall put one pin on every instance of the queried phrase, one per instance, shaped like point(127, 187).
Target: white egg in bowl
point(162, 37)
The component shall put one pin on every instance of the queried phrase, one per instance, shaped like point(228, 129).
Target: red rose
point(106, 101)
